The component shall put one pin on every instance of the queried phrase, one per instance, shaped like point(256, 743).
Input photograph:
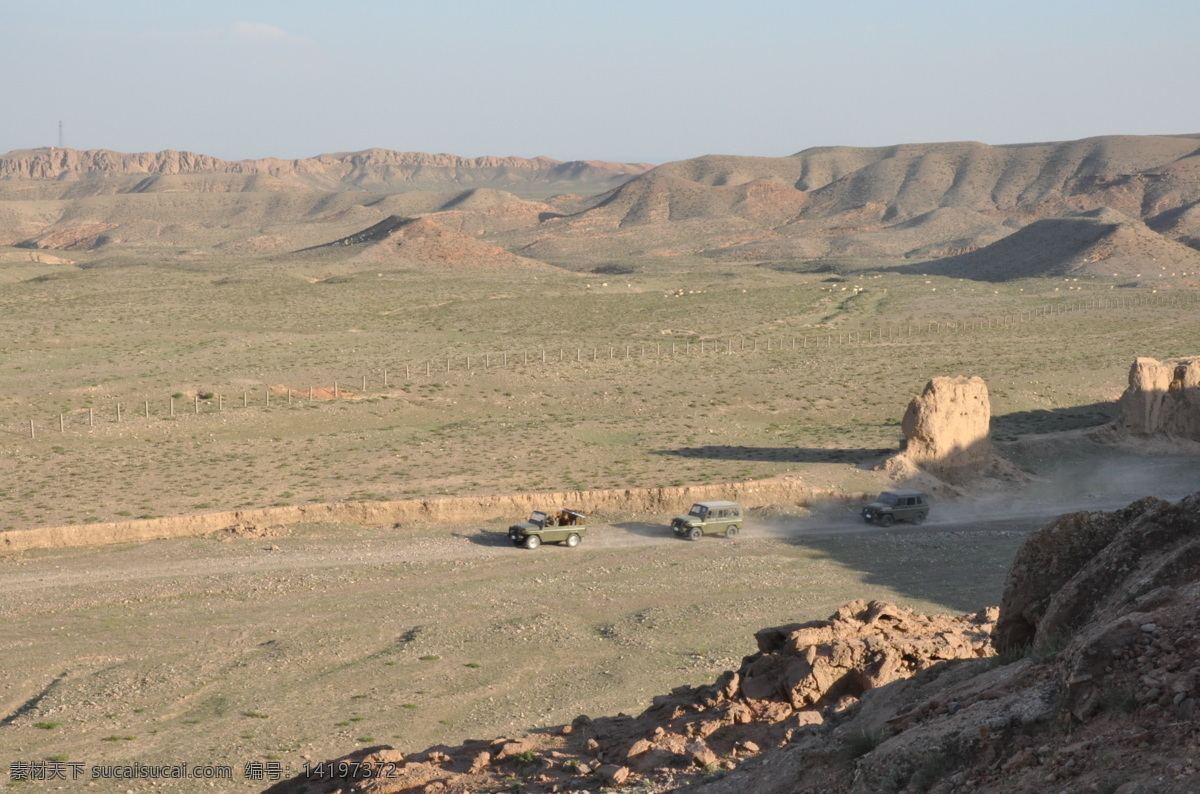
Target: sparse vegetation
point(861, 743)
point(482, 397)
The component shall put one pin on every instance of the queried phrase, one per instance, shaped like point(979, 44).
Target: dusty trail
point(385, 548)
point(217, 646)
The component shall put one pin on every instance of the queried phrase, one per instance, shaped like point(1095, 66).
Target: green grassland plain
point(576, 380)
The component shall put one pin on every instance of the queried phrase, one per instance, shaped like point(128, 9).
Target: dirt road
point(321, 638)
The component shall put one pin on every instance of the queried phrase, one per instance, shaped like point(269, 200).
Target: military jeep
point(559, 526)
point(892, 506)
point(709, 518)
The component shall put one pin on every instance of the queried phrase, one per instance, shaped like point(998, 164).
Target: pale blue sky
point(654, 80)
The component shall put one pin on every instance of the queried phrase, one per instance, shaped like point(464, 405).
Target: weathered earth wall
point(450, 510)
point(947, 427)
point(1163, 398)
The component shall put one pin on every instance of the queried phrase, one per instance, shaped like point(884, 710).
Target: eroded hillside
point(1110, 207)
point(918, 201)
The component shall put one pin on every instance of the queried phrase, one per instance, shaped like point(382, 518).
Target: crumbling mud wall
point(1163, 398)
point(449, 510)
point(947, 427)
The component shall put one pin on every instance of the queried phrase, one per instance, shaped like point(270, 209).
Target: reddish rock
point(612, 774)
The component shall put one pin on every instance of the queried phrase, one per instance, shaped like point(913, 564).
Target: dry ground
point(137, 333)
point(303, 645)
point(314, 641)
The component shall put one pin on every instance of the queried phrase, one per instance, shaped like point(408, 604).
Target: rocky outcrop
point(802, 675)
point(1163, 398)
point(862, 646)
point(1097, 686)
point(947, 427)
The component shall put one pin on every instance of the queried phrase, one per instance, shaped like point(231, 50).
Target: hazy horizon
point(625, 82)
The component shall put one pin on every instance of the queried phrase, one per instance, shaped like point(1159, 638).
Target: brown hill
point(888, 201)
point(916, 201)
point(423, 241)
point(248, 221)
point(1101, 243)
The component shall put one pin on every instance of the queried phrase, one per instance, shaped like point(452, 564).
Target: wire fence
point(388, 379)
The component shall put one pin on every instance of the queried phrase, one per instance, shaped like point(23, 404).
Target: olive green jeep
point(560, 526)
point(892, 506)
point(709, 518)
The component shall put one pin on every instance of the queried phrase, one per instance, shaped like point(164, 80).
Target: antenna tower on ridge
point(61, 145)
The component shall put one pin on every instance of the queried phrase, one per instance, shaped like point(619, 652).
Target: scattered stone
point(612, 774)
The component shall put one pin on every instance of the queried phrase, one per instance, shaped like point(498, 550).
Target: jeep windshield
point(538, 517)
point(889, 499)
point(698, 511)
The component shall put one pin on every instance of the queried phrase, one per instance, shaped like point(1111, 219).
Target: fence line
point(878, 334)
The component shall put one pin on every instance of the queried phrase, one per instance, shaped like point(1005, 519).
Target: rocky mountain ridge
point(1123, 207)
point(909, 201)
point(372, 169)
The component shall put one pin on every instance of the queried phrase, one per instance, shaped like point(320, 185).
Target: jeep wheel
point(886, 520)
point(532, 542)
point(572, 540)
point(694, 533)
point(918, 518)
point(731, 531)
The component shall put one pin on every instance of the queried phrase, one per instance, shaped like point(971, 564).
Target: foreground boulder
point(862, 646)
point(1097, 687)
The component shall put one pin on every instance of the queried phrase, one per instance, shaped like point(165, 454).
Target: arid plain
point(185, 336)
